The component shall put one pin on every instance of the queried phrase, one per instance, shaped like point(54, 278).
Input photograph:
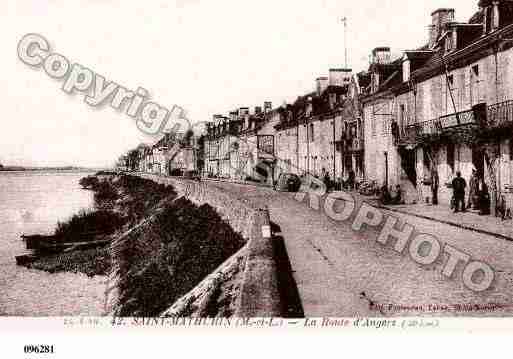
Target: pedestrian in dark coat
point(434, 187)
point(458, 187)
point(351, 179)
point(473, 191)
point(484, 198)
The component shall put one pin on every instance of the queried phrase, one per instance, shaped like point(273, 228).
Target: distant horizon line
point(61, 167)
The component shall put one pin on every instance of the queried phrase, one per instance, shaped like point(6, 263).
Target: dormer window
point(450, 41)
point(487, 19)
point(491, 17)
point(406, 69)
point(448, 44)
point(309, 107)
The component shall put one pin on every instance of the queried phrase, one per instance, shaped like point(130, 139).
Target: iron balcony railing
point(411, 133)
point(500, 114)
point(431, 127)
point(457, 119)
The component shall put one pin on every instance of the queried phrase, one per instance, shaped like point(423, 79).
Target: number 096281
point(38, 349)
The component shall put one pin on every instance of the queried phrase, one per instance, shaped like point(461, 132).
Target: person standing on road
point(434, 187)
point(458, 187)
point(484, 198)
point(351, 179)
point(473, 196)
point(326, 179)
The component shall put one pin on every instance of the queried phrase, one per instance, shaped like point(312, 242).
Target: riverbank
point(32, 203)
point(96, 261)
point(119, 202)
point(162, 246)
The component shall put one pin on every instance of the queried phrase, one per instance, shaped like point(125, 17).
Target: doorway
point(478, 161)
point(408, 163)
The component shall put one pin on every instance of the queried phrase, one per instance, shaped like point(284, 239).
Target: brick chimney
point(243, 111)
point(233, 115)
point(381, 55)
point(439, 19)
point(217, 118)
point(321, 84)
point(339, 77)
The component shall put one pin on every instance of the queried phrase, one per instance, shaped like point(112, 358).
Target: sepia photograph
point(271, 165)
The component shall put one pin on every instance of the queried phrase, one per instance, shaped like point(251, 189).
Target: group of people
point(348, 184)
point(479, 197)
point(391, 196)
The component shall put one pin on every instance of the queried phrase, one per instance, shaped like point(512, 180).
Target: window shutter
point(465, 95)
point(443, 92)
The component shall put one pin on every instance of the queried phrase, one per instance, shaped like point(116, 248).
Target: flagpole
point(344, 20)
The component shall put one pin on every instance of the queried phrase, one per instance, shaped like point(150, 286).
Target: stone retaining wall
point(259, 295)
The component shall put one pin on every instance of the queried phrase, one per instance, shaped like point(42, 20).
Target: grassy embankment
point(165, 245)
point(119, 202)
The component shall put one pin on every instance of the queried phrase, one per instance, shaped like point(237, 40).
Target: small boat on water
point(37, 241)
point(42, 242)
point(47, 245)
point(26, 259)
point(65, 246)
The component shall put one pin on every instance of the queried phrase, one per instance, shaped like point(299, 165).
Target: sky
point(204, 56)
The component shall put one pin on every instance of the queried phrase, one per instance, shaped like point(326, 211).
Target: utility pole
point(344, 20)
point(342, 149)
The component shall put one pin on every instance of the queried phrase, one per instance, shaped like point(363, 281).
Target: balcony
point(443, 125)
point(458, 119)
point(413, 133)
point(488, 121)
point(499, 115)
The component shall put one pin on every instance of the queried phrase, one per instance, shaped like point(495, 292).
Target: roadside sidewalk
point(469, 220)
point(229, 180)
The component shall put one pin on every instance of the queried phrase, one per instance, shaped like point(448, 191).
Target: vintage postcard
point(190, 165)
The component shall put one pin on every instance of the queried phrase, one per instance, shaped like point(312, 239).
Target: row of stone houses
point(239, 146)
point(412, 121)
point(173, 153)
point(443, 107)
point(319, 134)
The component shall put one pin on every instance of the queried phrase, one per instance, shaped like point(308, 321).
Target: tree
point(133, 160)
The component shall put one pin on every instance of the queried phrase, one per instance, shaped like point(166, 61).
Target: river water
point(32, 203)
